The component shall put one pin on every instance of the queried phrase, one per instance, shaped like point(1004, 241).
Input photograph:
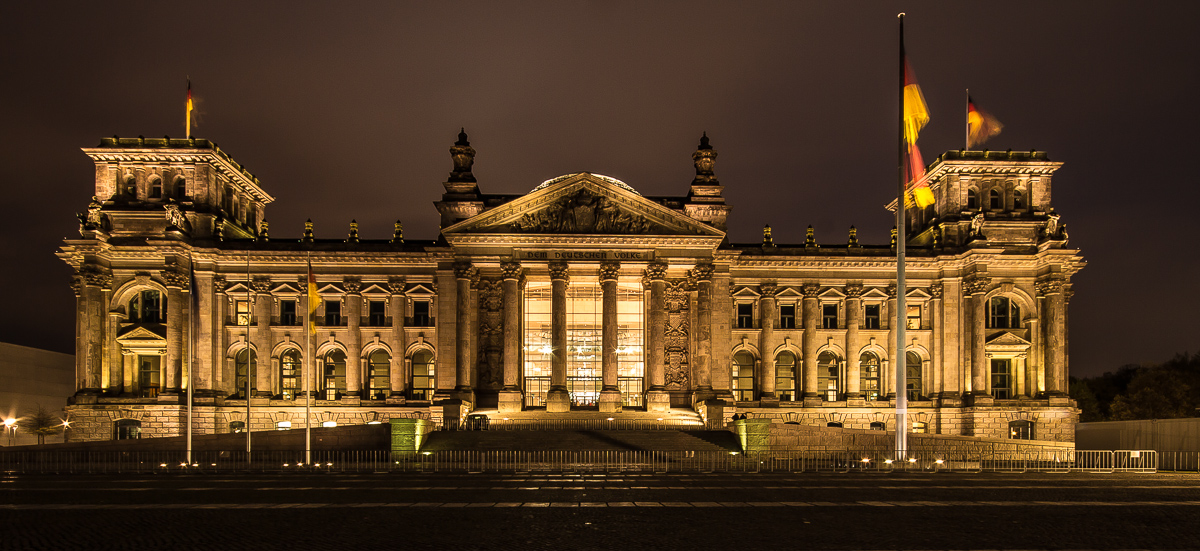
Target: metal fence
point(644, 461)
point(541, 425)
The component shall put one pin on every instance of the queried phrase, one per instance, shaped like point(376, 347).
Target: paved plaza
point(601, 511)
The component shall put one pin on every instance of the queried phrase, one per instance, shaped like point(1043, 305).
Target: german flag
point(916, 116)
point(980, 125)
point(190, 108)
point(313, 300)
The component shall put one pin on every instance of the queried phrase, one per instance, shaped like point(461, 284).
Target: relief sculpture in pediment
point(582, 212)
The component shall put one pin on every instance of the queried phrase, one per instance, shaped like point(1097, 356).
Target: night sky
point(346, 110)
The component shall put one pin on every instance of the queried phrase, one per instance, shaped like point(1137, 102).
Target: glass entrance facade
point(585, 310)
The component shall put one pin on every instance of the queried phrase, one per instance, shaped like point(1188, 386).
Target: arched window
point(335, 374)
point(743, 376)
point(829, 384)
point(245, 367)
point(869, 375)
point(156, 189)
point(424, 382)
point(1018, 200)
point(785, 376)
point(379, 365)
point(290, 374)
point(236, 427)
point(912, 375)
point(127, 429)
point(147, 306)
point(994, 201)
point(131, 186)
point(1020, 430)
point(1003, 313)
point(972, 199)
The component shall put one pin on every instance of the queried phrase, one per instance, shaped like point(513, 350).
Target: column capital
point(703, 272)
point(976, 285)
point(463, 270)
point(510, 270)
point(853, 290)
point(892, 291)
point(810, 290)
point(174, 278)
point(94, 276)
point(768, 289)
point(609, 270)
point(352, 284)
point(397, 284)
point(560, 271)
point(936, 291)
point(261, 284)
point(656, 271)
point(1049, 286)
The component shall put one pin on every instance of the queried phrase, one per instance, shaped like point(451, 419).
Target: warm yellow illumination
point(865, 460)
point(328, 424)
point(939, 461)
point(888, 461)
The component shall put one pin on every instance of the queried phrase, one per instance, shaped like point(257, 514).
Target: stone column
point(1055, 326)
point(398, 305)
point(766, 344)
point(205, 365)
point(610, 395)
point(975, 289)
point(354, 370)
point(463, 272)
point(887, 375)
point(558, 399)
point(511, 399)
point(853, 320)
point(264, 364)
point(116, 366)
point(703, 358)
point(936, 387)
point(657, 398)
point(808, 343)
point(172, 368)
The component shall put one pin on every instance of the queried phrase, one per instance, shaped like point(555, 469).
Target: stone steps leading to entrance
point(589, 440)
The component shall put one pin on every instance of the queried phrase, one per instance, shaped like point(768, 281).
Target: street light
point(10, 426)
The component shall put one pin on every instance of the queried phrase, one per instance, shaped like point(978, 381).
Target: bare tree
point(40, 422)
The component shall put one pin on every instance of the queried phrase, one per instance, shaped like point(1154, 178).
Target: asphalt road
point(602, 511)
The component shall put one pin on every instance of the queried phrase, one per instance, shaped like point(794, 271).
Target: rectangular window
point(375, 313)
point(829, 313)
point(1002, 379)
point(148, 375)
point(242, 309)
point(871, 320)
point(787, 316)
point(421, 314)
point(914, 316)
point(745, 315)
point(287, 312)
point(333, 312)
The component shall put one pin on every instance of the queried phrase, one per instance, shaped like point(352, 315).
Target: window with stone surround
point(333, 313)
point(423, 380)
point(376, 313)
point(334, 374)
point(237, 427)
point(421, 316)
point(127, 429)
point(147, 306)
point(245, 367)
point(869, 375)
point(378, 377)
point(913, 316)
point(1018, 200)
point(829, 316)
point(1003, 313)
point(745, 315)
point(1020, 430)
point(1002, 379)
point(920, 427)
point(785, 376)
point(829, 381)
point(787, 316)
point(743, 376)
point(972, 199)
point(287, 312)
point(871, 317)
point(995, 201)
point(289, 374)
point(148, 374)
point(241, 309)
point(878, 425)
point(156, 189)
point(912, 375)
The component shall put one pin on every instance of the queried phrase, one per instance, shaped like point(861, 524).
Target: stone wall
point(358, 437)
point(761, 435)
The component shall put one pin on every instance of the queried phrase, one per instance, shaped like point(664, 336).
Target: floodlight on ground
point(866, 460)
point(162, 464)
point(888, 461)
point(610, 419)
point(939, 461)
point(912, 460)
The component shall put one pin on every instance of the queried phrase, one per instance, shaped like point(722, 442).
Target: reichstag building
point(579, 296)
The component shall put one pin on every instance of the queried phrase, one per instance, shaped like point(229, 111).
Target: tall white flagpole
point(308, 369)
point(250, 359)
point(192, 289)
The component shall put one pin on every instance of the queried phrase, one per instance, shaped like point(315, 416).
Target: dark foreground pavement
point(613, 511)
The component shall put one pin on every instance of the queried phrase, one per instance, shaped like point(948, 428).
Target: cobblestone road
point(613, 511)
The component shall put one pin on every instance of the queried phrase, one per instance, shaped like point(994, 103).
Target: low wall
point(352, 437)
point(761, 435)
point(1161, 435)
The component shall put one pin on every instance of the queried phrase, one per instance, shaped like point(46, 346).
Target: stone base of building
point(558, 401)
point(658, 400)
point(610, 401)
point(510, 401)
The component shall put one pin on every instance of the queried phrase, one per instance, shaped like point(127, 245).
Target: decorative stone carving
point(853, 290)
point(976, 230)
point(768, 289)
point(352, 285)
point(463, 270)
point(976, 285)
point(396, 284)
point(491, 333)
point(175, 217)
point(398, 233)
point(768, 241)
point(77, 285)
point(559, 271)
point(175, 278)
point(262, 284)
point(705, 159)
point(582, 212)
point(263, 228)
point(463, 156)
point(609, 271)
point(703, 272)
point(93, 219)
point(510, 270)
point(1049, 286)
point(656, 271)
point(1051, 229)
point(675, 336)
point(353, 237)
point(810, 237)
point(892, 290)
point(96, 276)
point(936, 291)
point(810, 290)
point(308, 231)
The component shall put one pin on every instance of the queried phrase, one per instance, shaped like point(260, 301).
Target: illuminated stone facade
point(582, 295)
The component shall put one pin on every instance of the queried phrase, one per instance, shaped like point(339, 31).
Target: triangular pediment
point(420, 289)
point(831, 293)
point(330, 289)
point(141, 335)
point(1007, 339)
point(286, 289)
point(746, 292)
point(917, 294)
point(582, 204)
point(375, 289)
point(789, 292)
point(874, 293)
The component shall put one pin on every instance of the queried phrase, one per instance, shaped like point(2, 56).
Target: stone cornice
point(214, 157)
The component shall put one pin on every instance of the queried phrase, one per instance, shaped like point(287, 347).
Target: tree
point(1089, 406)
point(1155, 393)
point(40, 422)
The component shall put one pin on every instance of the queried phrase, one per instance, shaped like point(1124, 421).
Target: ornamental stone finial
point(353, 238)
point(463, 156)
point(398, 233)
point(853, 241)
point(810, 237)
point(768, 241)
point(262, 230)
point(705, 158)
point(308, 231)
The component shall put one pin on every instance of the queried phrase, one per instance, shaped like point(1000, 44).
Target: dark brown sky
point(346, 110)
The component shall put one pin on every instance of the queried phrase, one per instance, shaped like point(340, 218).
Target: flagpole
point(899, 363)
point(191, 350)
point(249, 359)
point(967, 123)
point(187, 118)
point(310, 361)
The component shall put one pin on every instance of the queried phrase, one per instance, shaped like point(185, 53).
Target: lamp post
point(66, 425)
point(10, 426)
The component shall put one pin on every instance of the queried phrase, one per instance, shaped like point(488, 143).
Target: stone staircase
point(582, 440)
